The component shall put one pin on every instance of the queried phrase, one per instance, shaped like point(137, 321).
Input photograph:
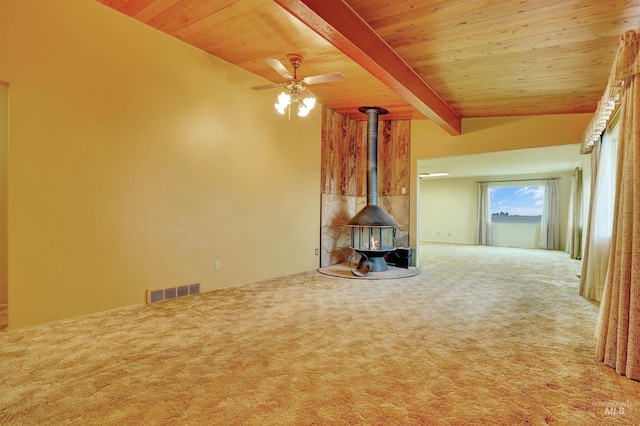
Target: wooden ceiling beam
point(346, 30)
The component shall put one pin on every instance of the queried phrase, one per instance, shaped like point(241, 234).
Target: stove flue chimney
point(373, 229)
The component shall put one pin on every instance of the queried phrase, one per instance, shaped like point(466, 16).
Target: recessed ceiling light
point(426, 175)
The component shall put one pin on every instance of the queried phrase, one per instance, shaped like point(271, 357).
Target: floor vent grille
point(160, 294)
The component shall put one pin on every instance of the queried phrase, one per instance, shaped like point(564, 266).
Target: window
point(516, 204)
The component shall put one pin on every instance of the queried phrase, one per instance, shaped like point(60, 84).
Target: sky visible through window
point(517, 200)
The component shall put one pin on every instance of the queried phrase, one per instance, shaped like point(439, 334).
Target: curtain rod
point(518, 180)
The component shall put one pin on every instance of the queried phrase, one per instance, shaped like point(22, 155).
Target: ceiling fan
point(298, 90)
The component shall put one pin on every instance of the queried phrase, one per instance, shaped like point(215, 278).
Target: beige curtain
point(483, 217)
point(600, 227)
point(618, 330)
point(550, 222)
point(574, 225)
point(587, 244)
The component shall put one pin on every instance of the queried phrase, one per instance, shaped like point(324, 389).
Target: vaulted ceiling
point(440, 59)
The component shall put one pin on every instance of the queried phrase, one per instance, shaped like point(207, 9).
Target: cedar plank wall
point(344, 179)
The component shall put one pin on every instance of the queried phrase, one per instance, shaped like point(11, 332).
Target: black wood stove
point(372, 229)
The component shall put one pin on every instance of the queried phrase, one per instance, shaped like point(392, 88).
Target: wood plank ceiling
point(440, 59)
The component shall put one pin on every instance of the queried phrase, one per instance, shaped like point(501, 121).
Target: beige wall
point(448, 212)
point(482, 135)
point(4, 98)
point(497, 134)
point(137, 161)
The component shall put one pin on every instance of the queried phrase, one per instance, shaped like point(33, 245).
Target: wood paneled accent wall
point(394, 157)
point(344, 155)
point(344, 178)
point(344, 144)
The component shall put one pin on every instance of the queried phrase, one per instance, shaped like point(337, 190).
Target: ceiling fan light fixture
point(296, 87)
point(283, 102)
point(305, 106)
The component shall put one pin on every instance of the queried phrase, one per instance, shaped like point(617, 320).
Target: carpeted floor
point(483, 336)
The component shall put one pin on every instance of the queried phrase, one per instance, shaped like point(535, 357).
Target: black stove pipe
point(372, 151)
point(372, 214)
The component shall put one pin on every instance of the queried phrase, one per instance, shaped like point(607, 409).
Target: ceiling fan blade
point(269, 86)
point(307, 93)
point(323, 78)
point(280, 69)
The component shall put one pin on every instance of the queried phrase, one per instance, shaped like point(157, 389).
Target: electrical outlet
point(217, 265)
